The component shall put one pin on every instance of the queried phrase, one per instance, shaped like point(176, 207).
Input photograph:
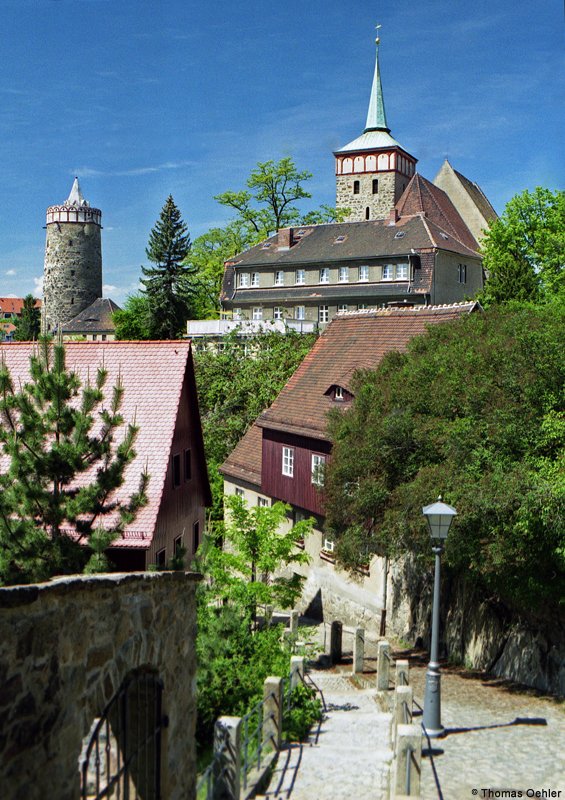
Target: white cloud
point(10, 272)
point(89, 172)
point(38, 287)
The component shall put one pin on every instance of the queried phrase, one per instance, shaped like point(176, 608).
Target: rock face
point(66, 647)
point(72, 274)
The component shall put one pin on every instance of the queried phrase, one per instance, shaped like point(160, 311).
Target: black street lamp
point(439, 517)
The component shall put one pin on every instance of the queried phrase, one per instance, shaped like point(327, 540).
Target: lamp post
point(439, 517)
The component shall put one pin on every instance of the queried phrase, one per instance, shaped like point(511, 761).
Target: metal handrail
point(409, 752)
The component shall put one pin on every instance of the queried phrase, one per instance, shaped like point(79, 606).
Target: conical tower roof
point(377, 133)
point(76, 197)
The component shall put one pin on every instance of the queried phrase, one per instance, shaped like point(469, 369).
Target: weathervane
point(378, 39)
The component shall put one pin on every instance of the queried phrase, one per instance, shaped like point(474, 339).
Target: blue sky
point(145, 98)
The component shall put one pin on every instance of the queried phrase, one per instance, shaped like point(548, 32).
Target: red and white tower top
point(74, 209)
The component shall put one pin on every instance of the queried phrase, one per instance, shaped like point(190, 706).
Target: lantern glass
point(439, 517)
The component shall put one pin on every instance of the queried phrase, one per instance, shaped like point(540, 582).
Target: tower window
point(355, 187)
point(375, 185)
point(72, 301)
point(72, 273)
point(367, 212)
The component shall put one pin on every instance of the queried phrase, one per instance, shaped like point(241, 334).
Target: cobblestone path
point(346, 758)
point(497, 738)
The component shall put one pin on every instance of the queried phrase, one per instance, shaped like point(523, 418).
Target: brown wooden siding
point(298, 490)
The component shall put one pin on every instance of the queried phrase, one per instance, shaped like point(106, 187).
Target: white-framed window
point(402, 272)
point(462, 273)
point(300, 312)
point(328, 545)
point(237, 313)
point(342, 307)
point(318, 464)
point(239, 492)
point(361, 306)
point(279, 278)
point(277, 312)
point(388, 272)
point(263, 502)
point(338, 393)
point(343, 274)
point(257, 312)
point(325, 275)
point(243, 279)
point(288, 461)
point(323, 313)
point(254, 279)
point(364, 272)
point(300, 277)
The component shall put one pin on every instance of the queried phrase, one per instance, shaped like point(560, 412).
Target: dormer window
point(338, 394)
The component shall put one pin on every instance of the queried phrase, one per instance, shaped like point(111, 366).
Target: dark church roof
point(96, 318)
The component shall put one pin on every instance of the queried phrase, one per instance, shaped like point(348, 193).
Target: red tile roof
point(423, 197)
point(353, 340)
point(153, 374)
point(14, 305)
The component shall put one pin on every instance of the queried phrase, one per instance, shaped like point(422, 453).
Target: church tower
point(373, 170)
point(72, 274)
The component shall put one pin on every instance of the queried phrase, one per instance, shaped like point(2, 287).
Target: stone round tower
point(72, 275)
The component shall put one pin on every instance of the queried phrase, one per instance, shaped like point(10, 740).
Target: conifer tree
point(59, 469)
point(168, 283)
point(29, 323)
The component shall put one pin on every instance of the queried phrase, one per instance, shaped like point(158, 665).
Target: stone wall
point(72, 270)
point(380, 204)
point(66, 647)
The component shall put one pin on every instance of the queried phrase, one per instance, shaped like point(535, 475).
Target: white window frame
point(257, 312)
point(343, 307)
point(254, 279)
point(323, 313)
point(300, 312)
point(237, 313)
point(279, 277)
point(263, 502)
point(318, 464)
point(328, 545)
point(325, 275)
point(243, 281)
point(300, 277)
point(239, 492)
point(339, 393)
point(388, 272)
point(402, 272)
point(277, 312)
point(364, 273)
point(288, 461)
point(462, 273)
point(343, 275)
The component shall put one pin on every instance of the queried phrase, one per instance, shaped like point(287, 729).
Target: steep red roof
point(423, 197)
point(353, 340)
point(14, 305)
point(153, 374)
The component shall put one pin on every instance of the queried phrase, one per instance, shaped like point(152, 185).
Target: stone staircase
point(347, 757)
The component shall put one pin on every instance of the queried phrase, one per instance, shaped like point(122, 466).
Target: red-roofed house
point(160, 395)
point(280, 456)
point(10, 308)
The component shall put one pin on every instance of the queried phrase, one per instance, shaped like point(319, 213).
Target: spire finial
point(376, 116)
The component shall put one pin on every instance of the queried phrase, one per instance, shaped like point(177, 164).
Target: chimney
point(284, 241)
point(394, 216)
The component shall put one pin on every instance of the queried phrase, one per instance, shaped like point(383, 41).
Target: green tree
point(168, 284)
point(524, 249)
point(61, 465)
point(29, 323)
point(133, 321)
point(235, 385)
point(474, 410)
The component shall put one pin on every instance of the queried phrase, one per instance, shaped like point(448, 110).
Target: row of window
point(317, 466)
point(390, 272)
point(178, 545)
point(262, 502)
point(298, 313)
point(357, 186)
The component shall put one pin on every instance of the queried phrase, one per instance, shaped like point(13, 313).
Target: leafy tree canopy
point(61, 464)
point(475, 411)
point(235, 385)
point(133, 321)
point(524, 249)
point(29, 323)
point(168, 284)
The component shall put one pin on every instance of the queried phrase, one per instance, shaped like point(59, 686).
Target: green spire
point(376, 116)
